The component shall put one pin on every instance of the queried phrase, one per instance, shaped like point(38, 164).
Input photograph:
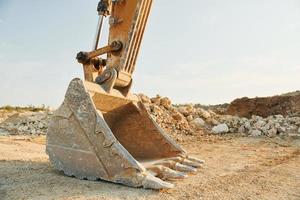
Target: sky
point(196, 51)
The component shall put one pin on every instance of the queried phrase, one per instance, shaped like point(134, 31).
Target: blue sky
point(199, 51)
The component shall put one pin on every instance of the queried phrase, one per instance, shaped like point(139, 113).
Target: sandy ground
point(236, 168)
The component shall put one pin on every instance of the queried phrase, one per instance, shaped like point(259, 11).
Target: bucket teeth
point(185, 168)
point(152, 182)
point(186, 161)
point(191, 163)
point(166, 173)
point(96, 135)
point(197, 160)
point(181, 164)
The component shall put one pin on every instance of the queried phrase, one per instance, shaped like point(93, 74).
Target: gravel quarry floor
point(236, 168)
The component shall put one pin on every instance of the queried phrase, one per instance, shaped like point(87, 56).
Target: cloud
point(1, 21)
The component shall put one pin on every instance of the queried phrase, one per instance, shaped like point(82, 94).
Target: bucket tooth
point(186, 161)
point(98, 135)
point(185, 168)
point(191, 163)
point(197, 160)
point(151, 182)
point(166, 173)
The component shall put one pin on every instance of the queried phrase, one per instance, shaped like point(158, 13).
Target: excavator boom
point(101, 130)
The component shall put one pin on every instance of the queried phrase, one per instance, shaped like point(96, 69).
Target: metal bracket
point(84, 57)
point(107, 79)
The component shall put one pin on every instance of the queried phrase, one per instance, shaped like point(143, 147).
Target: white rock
point(221, 128)
point(243, 120)
point(283, 134)
point(268, 126)
point(198, 122)
point(9, 126)
point(255, 133)
point(277, 125)
point(247, 125)
point(241, 129)
point(272, 132)
point(232, 130)
point(40, 125)
point(297, 121)
point(264, 130)
point(279, 116)
point(23, 128)
point(259, 124)
point(281, 129)
point(291, 128)
point(256, 118)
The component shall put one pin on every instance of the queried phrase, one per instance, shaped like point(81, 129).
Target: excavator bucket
point(101, 130)
point(96, 135)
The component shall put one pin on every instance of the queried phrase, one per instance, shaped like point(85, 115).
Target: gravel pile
point(272, 126)
point(286, 104)
point(189, 120)
point(27, 123)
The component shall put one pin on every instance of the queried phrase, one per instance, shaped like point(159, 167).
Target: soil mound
point(286, 104)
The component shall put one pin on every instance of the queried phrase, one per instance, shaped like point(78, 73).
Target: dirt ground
point(236, 168)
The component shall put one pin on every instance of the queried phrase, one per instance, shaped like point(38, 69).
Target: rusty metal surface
point(114, 140)
point(128, 21)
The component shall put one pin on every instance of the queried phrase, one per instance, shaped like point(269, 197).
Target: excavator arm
point(101, 130)
point(127, 22)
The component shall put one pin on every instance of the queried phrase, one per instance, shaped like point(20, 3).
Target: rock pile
point(28, 123)
point(272, 126)
point(189, 120)
point(170, 118)
point(178, 121)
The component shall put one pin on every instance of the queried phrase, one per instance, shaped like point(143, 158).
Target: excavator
point(101, 131)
